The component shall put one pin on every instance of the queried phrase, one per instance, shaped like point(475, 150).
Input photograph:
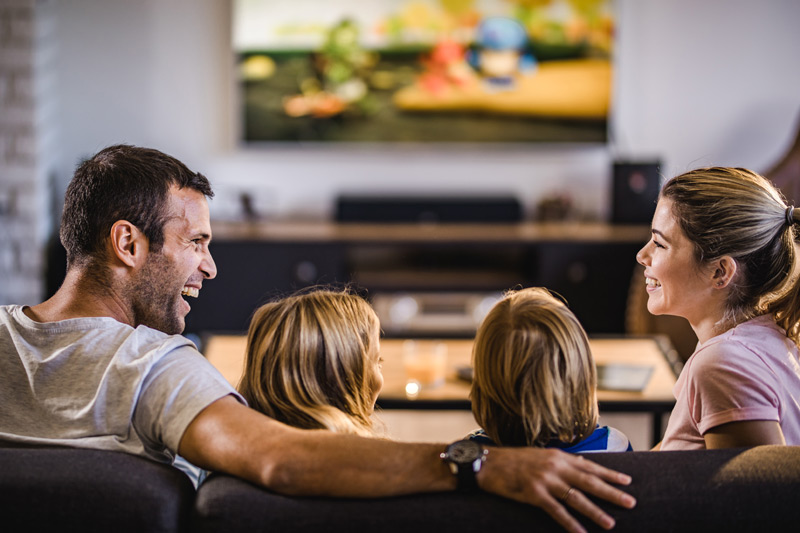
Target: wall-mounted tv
point(424, 70)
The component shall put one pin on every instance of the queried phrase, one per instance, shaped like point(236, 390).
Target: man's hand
point(551, 479)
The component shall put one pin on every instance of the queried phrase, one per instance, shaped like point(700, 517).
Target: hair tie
point(790, 215)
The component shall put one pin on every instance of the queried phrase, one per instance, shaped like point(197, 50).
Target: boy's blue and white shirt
point(602, 439)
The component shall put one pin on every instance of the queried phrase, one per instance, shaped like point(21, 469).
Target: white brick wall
point(23, 149)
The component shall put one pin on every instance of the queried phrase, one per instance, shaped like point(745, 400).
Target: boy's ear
point(724, 272)
point(128, 244)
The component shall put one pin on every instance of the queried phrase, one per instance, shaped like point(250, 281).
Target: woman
point(722, 255)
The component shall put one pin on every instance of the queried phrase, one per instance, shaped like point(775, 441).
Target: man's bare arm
point(231, 438)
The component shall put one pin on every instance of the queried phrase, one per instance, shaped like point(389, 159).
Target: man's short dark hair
point(121, 182)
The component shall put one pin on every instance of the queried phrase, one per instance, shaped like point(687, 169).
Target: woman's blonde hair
point(738, 213)
point(309, 361)
point(535, 378)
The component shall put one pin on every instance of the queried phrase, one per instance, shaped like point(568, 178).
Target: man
point(101, 364)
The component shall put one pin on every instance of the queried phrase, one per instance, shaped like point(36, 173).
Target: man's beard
point(154, 298)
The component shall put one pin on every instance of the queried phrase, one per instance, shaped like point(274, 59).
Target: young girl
point(313, 362)
point(535, 381)
point(723, 256)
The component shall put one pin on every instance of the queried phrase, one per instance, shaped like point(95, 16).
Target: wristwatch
point(465, 458)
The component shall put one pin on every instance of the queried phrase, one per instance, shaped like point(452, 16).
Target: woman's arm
point(744, 434)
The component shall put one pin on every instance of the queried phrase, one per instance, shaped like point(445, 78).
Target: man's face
point(179, 268)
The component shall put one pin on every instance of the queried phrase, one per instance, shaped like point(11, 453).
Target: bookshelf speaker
point(636, 186)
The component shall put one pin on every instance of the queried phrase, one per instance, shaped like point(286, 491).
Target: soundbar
point(430, 209)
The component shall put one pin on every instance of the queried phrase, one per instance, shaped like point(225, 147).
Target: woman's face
point(676, 283)
point(376, 363)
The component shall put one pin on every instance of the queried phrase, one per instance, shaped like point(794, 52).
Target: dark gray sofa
point(83, 490)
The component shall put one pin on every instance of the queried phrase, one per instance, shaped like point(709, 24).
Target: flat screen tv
point(500, 71)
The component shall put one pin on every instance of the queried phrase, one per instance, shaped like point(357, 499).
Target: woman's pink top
point(750, 372)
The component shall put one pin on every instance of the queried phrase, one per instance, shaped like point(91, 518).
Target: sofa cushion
point(90, 490)
point(718, 490)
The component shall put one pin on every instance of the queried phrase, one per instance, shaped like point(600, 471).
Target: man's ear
point(128, 244)
point(724, 272)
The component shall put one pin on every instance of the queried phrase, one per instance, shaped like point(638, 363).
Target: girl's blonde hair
point(309, 361)
point(535, 378)
point(738, 213)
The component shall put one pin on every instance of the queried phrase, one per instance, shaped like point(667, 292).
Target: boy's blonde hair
point(309, 361)
point(535, 378)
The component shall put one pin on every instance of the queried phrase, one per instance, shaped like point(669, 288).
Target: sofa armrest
point(70, 489)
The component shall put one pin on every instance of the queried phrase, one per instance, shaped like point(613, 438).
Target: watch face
point(464, 451)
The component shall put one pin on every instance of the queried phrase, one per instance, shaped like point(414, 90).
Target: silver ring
point(567, 494)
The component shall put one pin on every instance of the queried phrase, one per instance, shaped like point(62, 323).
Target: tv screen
point(424, 70)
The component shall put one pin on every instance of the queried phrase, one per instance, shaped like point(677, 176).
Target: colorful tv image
point(501, 71)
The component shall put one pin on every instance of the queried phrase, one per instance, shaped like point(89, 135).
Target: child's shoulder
point(602, 439)
point(480, 436)
point(617, 441)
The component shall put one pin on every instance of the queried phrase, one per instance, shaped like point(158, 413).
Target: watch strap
point(466, 476)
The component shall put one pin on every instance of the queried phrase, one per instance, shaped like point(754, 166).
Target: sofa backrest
point(70, 489)
point(715, 490)
point(710, 490)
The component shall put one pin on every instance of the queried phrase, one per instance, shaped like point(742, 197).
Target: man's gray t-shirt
point(98, 383)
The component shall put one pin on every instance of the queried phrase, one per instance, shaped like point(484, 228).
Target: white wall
point(698, 83)
point(712, 82)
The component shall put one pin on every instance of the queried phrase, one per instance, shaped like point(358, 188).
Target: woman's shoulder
point(737, 350)
point(755, 335)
